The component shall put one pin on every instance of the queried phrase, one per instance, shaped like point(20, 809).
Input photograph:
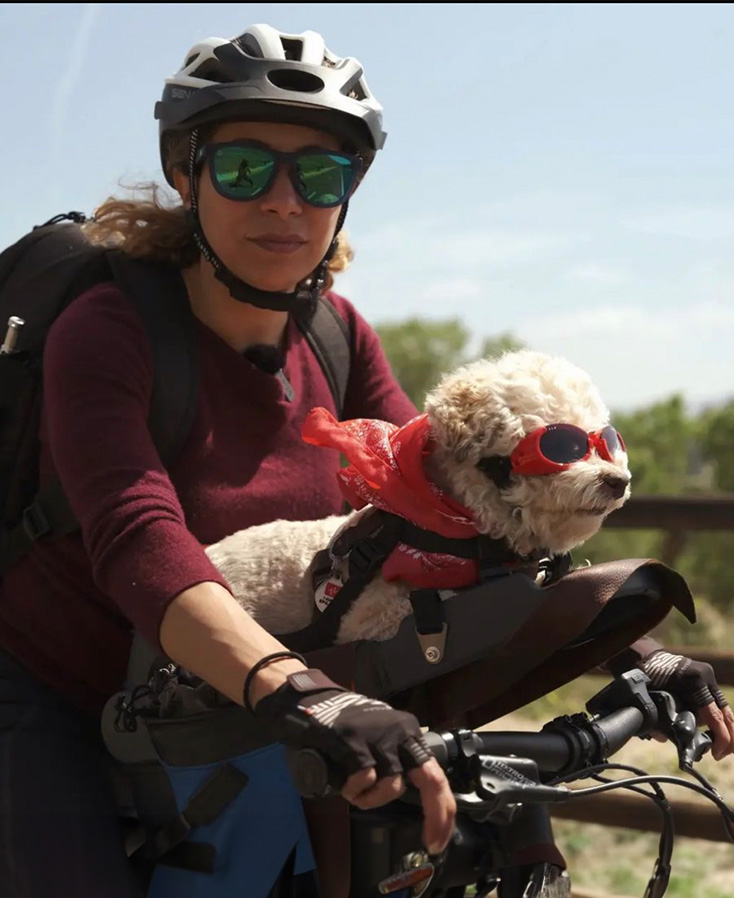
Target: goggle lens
point(564, 444)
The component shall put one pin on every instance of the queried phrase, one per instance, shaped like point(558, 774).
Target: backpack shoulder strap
point(330, 339)
point(158, 293)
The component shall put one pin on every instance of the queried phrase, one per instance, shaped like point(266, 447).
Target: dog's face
point(483, 410)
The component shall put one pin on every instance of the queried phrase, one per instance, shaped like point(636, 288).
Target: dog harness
point(412, 531)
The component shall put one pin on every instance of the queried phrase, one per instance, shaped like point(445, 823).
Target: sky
point(562, 172)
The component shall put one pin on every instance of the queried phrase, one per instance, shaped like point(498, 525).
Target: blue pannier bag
point(218, 812)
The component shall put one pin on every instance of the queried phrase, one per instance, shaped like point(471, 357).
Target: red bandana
point(386, 470)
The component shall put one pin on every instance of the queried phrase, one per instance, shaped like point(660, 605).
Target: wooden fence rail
point(677, 516)
point(692, 819)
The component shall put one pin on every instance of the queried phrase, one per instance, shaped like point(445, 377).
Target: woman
point(264, 137)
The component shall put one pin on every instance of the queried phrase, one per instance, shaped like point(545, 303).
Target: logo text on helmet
point(179, 93)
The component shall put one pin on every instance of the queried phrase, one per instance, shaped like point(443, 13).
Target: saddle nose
point(615, 484)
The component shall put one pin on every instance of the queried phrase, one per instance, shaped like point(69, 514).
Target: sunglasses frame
point(527, 457)
point(207, 151)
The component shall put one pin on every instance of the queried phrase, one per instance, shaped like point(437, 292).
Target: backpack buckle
point(35, 523)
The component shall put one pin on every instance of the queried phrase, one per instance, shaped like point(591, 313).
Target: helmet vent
point(211, 70)
point(300, 82)
point(192, 58)
point(292, 48)
point(357, 92)
point(249, 45)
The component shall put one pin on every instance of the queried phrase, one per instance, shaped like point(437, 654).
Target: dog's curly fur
point(482, 409)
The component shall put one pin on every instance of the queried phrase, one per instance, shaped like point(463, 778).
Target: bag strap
point(159, 296)
point(329, 338)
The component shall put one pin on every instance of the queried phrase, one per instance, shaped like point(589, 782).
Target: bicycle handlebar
point(555, 750)
point(622, 710)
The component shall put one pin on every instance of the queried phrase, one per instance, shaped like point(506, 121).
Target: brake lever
point(682, 730)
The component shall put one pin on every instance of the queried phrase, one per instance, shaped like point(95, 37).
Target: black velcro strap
point(428, 541)
point(48, 515)
point(427, 610)
point(487, 551)
point(496, 558)
point(205, 805)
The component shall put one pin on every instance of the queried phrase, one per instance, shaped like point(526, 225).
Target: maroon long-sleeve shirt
point(68, 608)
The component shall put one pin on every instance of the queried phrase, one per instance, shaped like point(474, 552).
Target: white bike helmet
point(266, 75)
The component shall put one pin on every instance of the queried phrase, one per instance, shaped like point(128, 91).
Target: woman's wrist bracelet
point(263, 662)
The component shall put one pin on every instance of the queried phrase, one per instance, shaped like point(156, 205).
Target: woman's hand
point(693, 684)
point(371, 744)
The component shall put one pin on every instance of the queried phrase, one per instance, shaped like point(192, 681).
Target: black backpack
point(39, 276)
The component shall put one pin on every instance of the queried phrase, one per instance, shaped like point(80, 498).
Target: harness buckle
point(35, 523)
point(365, 557)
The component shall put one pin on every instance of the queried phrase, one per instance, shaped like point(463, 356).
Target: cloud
point(442, 243)
point(637, 355)
point(68, 80)
point(693, 222)
point(597, 274)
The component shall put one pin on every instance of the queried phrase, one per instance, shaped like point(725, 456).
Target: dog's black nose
point(615, 484)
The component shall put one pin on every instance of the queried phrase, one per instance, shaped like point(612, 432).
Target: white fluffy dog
point(476, 419)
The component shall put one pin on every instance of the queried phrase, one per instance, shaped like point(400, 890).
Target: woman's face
point(276, 240)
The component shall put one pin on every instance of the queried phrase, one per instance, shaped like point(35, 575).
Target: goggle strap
point(498, 468)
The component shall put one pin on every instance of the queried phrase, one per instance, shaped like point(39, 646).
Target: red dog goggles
point(556, 447)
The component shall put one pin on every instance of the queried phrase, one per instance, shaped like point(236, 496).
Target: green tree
point(707, 560)
point(421, 351)
point(717, 444)
point(495, 346)
point(660, 444)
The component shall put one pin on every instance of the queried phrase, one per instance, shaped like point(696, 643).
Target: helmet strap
point(300, 301)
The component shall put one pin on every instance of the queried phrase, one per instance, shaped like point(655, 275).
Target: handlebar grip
point(619, 727)
point(437, 744)
point(312, 776)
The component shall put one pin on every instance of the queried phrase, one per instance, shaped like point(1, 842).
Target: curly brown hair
point(153, 225)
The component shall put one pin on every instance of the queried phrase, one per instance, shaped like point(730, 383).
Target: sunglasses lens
point(242, 173)
point(325, 179)
point(614, 441)
point(564, 444)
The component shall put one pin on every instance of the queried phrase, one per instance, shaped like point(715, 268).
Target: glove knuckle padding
point(693, 682)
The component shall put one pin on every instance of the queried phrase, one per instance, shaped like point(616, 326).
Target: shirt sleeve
point(372, 390)
point(98, 379)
